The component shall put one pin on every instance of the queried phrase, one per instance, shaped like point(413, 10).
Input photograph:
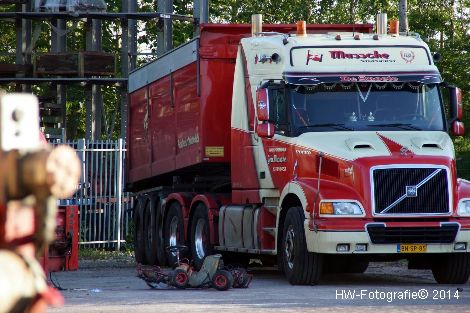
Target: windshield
point(362, 107)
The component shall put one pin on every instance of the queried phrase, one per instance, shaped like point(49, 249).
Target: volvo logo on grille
point(411, 191)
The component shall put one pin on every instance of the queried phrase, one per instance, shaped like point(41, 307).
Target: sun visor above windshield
point(360, 58)
point(346, 78)
point(327, 64)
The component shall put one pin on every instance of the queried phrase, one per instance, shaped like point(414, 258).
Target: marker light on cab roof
point(301, 28)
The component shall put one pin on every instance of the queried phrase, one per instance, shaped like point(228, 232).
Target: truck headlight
point(342, 208)
point(463, 209)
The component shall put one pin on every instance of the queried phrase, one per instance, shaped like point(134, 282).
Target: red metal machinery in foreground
point(62, 253)
point(32, 177)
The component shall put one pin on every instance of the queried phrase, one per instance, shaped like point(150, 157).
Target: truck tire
point(159, 233)
point(150, 231)
point(200, 236)
point(452, 268)
point(174, 231)
point(139, 232)
point(300, 266)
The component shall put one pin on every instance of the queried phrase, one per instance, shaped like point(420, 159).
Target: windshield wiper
point(398, 125)
point(332, 125)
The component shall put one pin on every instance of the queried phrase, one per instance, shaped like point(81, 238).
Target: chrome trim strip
point(164, 65)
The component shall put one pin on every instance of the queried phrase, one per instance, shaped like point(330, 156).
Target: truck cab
point(348, 140)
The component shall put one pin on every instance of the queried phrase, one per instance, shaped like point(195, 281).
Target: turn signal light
point(326, 208)
point(301, 28)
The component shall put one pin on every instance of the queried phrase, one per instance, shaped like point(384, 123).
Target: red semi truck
point(318, 148)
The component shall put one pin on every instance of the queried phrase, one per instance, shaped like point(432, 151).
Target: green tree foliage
point(444, 24)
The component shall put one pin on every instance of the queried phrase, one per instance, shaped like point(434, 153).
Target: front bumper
point(326, 241)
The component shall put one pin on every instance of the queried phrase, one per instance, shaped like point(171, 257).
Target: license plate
point(411, 248)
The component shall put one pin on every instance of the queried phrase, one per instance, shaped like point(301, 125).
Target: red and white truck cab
point(353, 126)
point(338, 153)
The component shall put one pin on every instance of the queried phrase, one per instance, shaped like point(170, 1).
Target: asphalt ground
point(385, 287)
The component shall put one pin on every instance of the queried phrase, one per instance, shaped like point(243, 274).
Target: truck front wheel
point(200, 236)
point(300, 266)
point(452, 268)
point(174, 231)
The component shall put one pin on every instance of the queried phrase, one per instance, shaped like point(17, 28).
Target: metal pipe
point(256, 24)
point(381, 24)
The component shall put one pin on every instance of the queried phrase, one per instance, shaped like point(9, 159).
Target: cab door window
point(278, 109)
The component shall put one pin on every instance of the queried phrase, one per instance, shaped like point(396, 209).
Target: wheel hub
point(200, 239)
point(220, 280)
point(173, 240)
point(289, 247)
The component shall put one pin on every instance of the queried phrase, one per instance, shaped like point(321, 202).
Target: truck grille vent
point(380, 234)
point(410, 191)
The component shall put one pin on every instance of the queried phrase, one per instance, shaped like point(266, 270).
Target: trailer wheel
point(159, 234)
point(222, 280)
point(200, 236)
point(150, 233)
point(139, 250)
point(452, 268)
point(300, 266)
point(174, 231)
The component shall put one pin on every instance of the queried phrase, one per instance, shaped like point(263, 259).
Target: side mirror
point(262, 104)
point(457, 129)
point(456, 103)
point(265, 130)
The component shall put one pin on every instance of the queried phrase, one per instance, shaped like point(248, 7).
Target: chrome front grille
point(410, 191)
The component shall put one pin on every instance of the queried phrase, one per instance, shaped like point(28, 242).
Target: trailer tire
point(139, 250)
point(300, 266)
point(150, 233)
point(452, 268)
point(159, 233)
point(200, 236)
point(174, 231)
